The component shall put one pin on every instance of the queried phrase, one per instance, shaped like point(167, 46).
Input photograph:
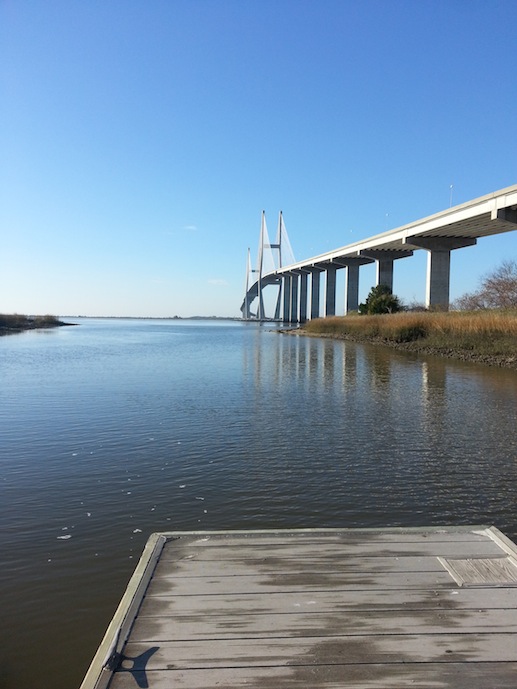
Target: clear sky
point(141, 139)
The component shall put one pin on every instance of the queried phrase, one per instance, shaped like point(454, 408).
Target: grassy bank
point(15, 323)
point(485, 336)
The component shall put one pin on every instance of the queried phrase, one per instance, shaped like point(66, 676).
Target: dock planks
point(367, 609)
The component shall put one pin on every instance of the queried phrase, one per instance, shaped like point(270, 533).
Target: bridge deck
point(439, 234)
point(485, 216)
point(313, 608)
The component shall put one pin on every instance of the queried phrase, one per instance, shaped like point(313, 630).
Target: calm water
point(115, 429)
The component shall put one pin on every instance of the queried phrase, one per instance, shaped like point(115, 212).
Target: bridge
point(299, 283)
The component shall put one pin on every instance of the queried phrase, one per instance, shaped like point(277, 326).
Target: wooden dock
point(361, 609)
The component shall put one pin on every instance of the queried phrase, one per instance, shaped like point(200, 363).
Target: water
point(118, 428)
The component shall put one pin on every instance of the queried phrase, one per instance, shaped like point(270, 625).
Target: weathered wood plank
point(314, 623)
point(482, 571)
point(345, 650)
point(119, 628)
point(336, 536)
point(330, 601)
point(281, 565)
point(360, 676)
point(299, 581)
point(301, 551)
point(361, 609)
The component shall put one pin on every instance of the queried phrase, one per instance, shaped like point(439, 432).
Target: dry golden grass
point(487, 332)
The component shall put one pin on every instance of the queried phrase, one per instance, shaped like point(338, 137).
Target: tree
point(498, 290)
point(380, 300)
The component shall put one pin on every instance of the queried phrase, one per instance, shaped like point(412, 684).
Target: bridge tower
point(270, 257)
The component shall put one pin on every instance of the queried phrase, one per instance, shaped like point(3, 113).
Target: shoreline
point(418, 347)
point(14, 325)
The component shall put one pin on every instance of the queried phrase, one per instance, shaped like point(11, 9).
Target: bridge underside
point(439, 234)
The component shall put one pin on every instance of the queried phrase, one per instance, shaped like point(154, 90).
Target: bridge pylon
point(270, 258)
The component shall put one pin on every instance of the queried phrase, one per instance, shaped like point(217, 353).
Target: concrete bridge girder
point(508, 214)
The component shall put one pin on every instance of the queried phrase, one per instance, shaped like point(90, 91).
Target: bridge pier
point(286, 312)
point(385, 259)
point(385, 273)
point(330, 290)
point(352, 288)
point(438, 281)
point(294, 298)
point(439, 266)
point(352, 266)
point(315, 292)
point(304, 275)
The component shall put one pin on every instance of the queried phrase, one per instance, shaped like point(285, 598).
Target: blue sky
point(142, 139)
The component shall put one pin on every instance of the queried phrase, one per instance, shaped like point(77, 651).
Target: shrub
point(380, 300)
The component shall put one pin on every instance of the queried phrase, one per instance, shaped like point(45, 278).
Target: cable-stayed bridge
point(270, 259)
point(298, 284)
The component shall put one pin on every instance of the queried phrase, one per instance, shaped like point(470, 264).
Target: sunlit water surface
point(117, 428)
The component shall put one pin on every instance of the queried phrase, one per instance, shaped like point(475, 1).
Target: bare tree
point(498, 290)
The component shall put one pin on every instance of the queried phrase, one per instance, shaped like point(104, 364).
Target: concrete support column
point(385, 273)
point(287, 299)
point(384, 259)
point(294, 299)
point(303, 296)
point(330, 291)
point(439, 266)
point(315, 294)
point(438, 279)
point(352, 265)
point(352, 288)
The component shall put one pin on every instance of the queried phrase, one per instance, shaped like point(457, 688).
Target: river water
point(117, 428)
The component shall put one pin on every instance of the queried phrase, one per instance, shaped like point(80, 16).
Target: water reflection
point(136, 427)
point(411, 439)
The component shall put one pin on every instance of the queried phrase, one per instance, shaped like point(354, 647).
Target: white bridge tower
point(270, 258)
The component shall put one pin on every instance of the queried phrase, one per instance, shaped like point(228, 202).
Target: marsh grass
point(483, 332)
point(16, 322)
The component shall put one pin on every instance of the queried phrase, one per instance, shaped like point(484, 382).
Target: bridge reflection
point(403, 434)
